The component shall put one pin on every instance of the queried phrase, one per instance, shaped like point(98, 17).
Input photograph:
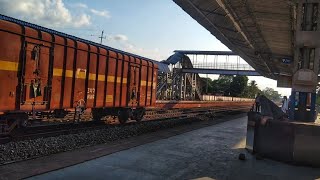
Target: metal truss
point(178, 85)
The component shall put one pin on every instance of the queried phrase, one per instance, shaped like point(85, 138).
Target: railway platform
point(207, 153)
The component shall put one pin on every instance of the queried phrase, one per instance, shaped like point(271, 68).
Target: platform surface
point(207, 153)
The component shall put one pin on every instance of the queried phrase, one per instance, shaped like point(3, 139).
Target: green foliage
point(238, 85)
point(222, 85)
point(206, 85)
point(225, 85)
point(251, 90)
point(271, 94)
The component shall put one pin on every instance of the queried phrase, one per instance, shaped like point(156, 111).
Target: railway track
point(39, 141)
point(55, 129)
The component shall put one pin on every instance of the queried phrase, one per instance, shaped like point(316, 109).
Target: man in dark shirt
point(257, 104)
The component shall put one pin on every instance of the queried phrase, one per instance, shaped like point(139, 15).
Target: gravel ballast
point(28, 149)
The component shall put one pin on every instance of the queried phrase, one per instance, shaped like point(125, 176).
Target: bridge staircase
point(178, 85)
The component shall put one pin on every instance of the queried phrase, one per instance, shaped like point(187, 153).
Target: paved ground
point(32, 167)
point(208, 152)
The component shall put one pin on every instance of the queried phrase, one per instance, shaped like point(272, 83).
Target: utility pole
point(207, 85)
point(101, 37)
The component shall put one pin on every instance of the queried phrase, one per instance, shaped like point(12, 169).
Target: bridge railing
point(226, 66)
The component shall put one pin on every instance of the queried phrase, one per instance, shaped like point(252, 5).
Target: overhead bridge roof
point(259, 31)
point(191, 52)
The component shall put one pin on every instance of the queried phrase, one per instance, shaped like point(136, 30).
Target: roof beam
point(226, 53)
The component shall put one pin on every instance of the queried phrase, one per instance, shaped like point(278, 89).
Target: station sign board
point(286, 60)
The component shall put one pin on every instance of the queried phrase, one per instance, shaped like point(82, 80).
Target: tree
point(229, 85)
point(206, 86)
point(238, 85)
point(271, 94)
point(222, 84)
point(251, 90)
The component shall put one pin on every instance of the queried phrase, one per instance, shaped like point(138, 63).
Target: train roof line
point(48, 30)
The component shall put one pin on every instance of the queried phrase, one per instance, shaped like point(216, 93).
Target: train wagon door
point(133, 93)
point(35, 71)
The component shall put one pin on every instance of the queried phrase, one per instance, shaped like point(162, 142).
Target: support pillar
point(313, 105)
point(306, 62)
point(297, 143)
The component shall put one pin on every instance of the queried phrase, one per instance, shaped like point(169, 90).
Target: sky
point(153, 29)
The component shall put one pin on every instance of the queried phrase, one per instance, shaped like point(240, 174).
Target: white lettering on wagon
point(90, 93)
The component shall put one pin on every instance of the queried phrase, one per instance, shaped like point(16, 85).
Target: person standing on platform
point(285, 105)
point(257, 103)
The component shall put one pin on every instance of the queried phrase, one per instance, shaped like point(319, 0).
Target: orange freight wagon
point(42, 70)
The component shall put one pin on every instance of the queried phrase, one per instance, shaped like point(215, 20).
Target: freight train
point(43, 71)
point(46, 73)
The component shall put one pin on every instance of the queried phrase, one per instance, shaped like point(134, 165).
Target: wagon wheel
point(97, 117)
point(97, 114)
point(123, 116)
point(23, 123)
point(139, 115)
